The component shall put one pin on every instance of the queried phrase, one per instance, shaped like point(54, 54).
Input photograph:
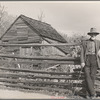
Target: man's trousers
point(90, 70)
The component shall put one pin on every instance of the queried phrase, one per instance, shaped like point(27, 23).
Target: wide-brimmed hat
point(93, 31)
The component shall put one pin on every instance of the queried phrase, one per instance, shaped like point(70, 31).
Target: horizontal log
point(41, 57)
point(17, 75)
point(39, 82)
point(25, 41)
point(40, 62)
point(37, 71)
point(7, 37)
point(35, 44)
point(21, 38)
point(15, 38)
point(42, 82)
point(9, 49)
point(34, 87)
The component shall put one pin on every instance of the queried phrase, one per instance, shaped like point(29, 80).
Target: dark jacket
point(83, 51)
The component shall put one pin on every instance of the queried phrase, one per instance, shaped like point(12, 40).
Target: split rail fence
point(31, 79)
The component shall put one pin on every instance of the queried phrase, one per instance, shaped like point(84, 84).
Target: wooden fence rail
point(39, 77)
point(37, 71)
point(41, 57)
point(39, 62)
point(36, 44)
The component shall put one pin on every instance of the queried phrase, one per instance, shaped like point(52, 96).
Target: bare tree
point(41, 16)
point(2, 11)
point(5, 19)
point(75, 38)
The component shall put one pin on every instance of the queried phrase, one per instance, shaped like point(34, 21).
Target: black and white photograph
point(49, 49)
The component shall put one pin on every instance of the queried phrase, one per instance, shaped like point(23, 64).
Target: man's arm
point(98, 53)
point(82, 56)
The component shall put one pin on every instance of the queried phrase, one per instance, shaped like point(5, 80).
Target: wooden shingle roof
point(43, 29)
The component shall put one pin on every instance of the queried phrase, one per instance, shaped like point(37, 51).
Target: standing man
point(90, 61)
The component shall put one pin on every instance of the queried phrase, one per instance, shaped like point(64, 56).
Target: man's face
point(93, 36)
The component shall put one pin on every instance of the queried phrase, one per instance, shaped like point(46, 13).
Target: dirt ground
point(15, 94)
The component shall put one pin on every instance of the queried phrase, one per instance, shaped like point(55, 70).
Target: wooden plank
point(7, 37)
point(39, 62)
point(25, 41)
point(14, 75)
point(41, 57)
point(35, 44)
point(29, 76)
point(39, 82)
point(11, 33)
point(9, 49)
point(21, 38)
point(21, 26)
point(11, 39)
point(37, 71)
point(34, 37)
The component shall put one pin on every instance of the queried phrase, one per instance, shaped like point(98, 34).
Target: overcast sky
point(67, 17)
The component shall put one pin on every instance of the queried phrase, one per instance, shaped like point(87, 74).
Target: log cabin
point(25, 30)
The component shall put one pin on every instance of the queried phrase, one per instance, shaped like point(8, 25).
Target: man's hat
point(93, 31)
